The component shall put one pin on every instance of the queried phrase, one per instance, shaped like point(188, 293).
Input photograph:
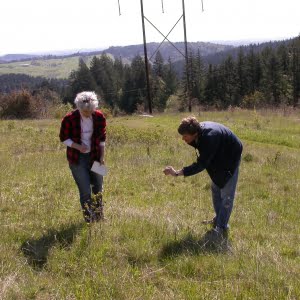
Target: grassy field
point(151, 245)
point(49, 68)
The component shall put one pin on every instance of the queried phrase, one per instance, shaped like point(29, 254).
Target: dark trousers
point(88, 182)
point(223, 199)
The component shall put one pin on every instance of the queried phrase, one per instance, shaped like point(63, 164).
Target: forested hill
point(52, 66)
point(174, 51)
point(16, 57)
point(219, 57)
point(255, 76)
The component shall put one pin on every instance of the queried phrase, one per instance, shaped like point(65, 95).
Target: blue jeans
point(223, 200)
point(87, 181)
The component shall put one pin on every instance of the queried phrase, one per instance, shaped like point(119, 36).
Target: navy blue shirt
point(219, 152)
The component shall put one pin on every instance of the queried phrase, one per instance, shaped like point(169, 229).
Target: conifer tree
point(134, 90)
point(241, 74)
point(230, 82)
point(170, 78)
point(158, 65)
point(200, 75)
point(119, 77)
point(81, 80)
point(103, 73)
point(295, 70)
point(271, 80)
point(210, 91)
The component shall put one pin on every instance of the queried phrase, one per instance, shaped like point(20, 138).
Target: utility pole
point(186, 60)
point(146, 60)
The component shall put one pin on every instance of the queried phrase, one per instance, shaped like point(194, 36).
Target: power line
point(162, 6)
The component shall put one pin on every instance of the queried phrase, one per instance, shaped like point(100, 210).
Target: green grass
point(49, 68)
point(151, 246)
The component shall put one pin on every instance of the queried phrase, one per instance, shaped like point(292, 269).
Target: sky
point(32, 26)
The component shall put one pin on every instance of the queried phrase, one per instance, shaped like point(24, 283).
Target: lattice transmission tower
point(165, 38)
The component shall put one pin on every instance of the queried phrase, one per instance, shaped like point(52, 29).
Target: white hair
point(86, 101)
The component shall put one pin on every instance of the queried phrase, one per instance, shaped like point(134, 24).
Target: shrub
point(173, 104)
point(16, 105)
point(254, 100)
point(106, 111)
point(24, 104)
point(60, 110)
point(248, 157)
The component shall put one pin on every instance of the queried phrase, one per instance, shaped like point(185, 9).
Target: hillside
point(49, 68)
point(61, 66)
point(217, 58)
point(167, 50)
point(16, 57)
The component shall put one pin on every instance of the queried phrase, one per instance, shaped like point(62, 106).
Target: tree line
point(14, 82)
point(270, 77)
point(122, 86)
point(251, 77)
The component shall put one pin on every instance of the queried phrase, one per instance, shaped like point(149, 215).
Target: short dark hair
point(189, 125)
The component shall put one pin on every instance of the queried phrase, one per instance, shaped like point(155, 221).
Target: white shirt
point(86, 131)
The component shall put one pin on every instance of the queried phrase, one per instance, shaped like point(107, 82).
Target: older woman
point(83, 131)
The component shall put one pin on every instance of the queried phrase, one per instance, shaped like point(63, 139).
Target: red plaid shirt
point(71, 129)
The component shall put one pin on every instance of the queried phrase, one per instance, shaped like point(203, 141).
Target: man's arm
point(210, 145)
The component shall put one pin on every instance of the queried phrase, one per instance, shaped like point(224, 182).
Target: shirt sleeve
point(65, 128)
point(208, 151)
point(103, 131)
point(68, 142)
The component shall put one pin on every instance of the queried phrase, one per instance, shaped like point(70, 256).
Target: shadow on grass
point(190, 245)
point(36, 250)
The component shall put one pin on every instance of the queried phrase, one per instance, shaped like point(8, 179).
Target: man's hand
point(102, 161)
point(169, 171)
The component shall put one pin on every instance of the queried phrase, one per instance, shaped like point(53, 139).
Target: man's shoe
point(222, 232)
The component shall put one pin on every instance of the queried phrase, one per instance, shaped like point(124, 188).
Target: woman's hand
point(82, 148)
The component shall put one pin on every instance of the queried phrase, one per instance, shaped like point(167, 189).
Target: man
point(219, 152)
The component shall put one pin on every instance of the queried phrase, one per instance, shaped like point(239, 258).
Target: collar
point(84, 117)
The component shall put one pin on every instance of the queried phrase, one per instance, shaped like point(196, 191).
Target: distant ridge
point(167, 50)
point(54, 66)
point(16, 57)
point(128, 52)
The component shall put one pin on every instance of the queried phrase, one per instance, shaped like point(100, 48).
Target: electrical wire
point(119, 8)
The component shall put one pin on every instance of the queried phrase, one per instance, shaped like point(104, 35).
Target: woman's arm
point(69, 143)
